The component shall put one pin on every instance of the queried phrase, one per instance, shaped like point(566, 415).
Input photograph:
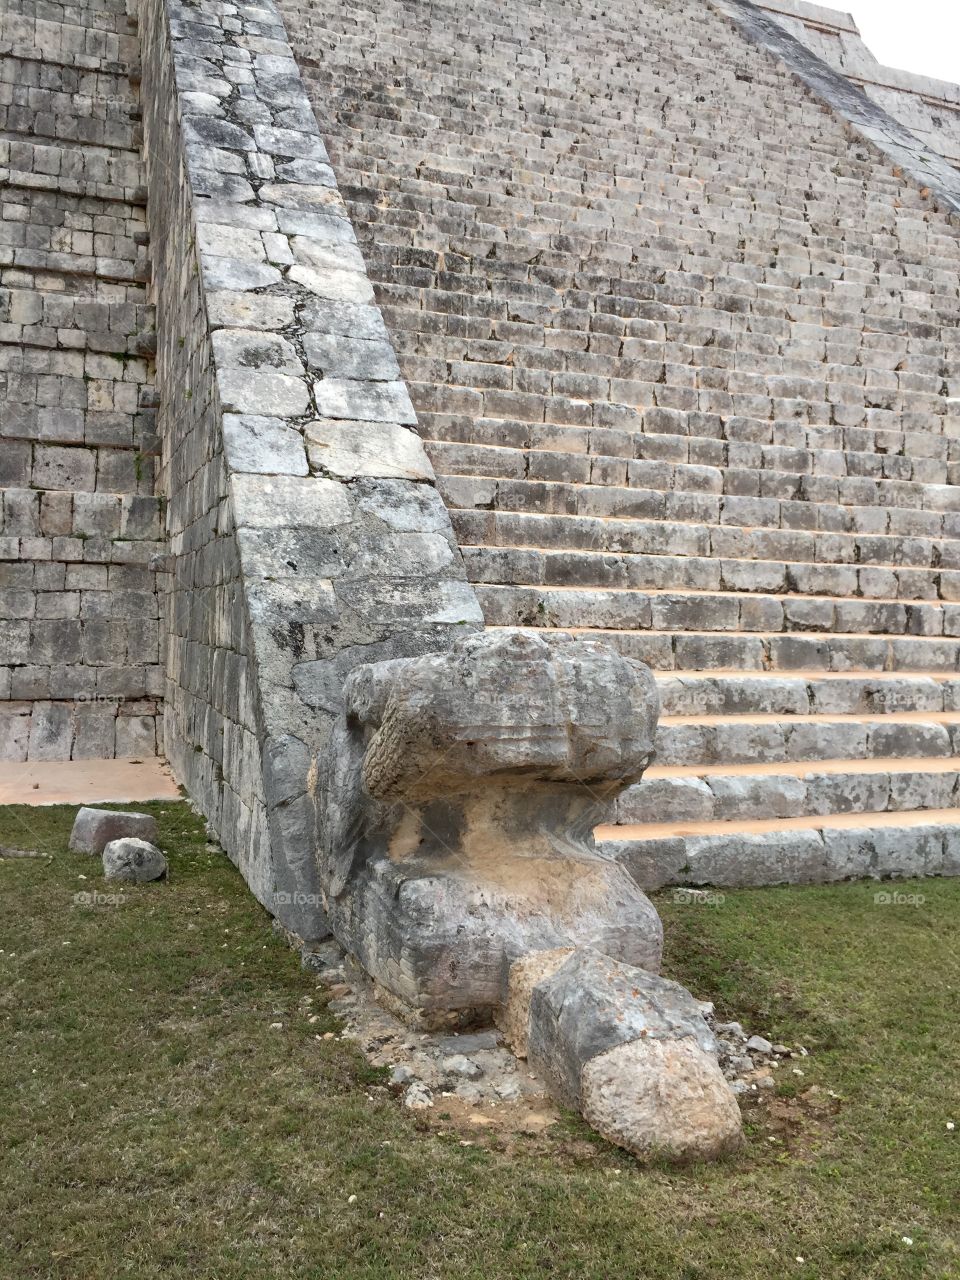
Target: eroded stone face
point(628, 1049)
point(458, 809)
point(661, 1098)
point(94, 829)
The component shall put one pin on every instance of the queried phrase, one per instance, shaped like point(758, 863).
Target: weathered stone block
point(134, 861)
point(632, 1051)
point(93, 829)
point(457, 815)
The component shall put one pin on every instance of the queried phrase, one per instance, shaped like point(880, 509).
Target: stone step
point(529, 566)
point(704, 651)
point(747, 738)
point(754, 466)
point(71, 468)
point(689, 693)
point(493, 493)
point(683, 538)
point(814, 849)
point(77, 100)
point(731, 793)
point(730, 611)
point(663, 477)
point(686, 436)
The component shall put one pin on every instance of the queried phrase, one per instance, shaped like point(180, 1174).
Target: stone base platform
point(41, 782)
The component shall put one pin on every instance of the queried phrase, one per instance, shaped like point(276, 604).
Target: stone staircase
point(685, 353)
point(79, 616)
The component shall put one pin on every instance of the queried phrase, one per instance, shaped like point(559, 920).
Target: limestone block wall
point(79, 520)
point(929, 108)
point(305, 533)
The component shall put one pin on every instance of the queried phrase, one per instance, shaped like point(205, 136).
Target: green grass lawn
point(155, 1123)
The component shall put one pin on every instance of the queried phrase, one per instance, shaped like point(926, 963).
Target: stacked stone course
point(79, 522)
point(677, 306)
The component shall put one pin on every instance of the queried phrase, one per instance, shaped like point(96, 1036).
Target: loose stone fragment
point(93, 829)
point(133, 860)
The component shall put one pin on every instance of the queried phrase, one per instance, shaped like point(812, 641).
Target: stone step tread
point(732, 612)
point(694, 592)
point(736, 674)
point(508, 529)
point(823, 637)
point(445, 447)
point(498, 494)
point(42, 144)
point(805, 768)
point(448, 464)
point(776, 652)
point(652, 428)
point(486, 551)
point(884, 717)
point(665, 830)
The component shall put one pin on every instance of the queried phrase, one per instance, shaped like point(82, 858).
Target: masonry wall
point(305, 533)
point(79, 519)
point(928, 107)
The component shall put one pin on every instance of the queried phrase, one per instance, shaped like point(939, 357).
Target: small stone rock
point(93, 829)
point(459, 1065)
point(730, 1029)
point(418, 1097)
point(757, 1044)
point(401, 1074)
point(509, 1090)
point(136, 861)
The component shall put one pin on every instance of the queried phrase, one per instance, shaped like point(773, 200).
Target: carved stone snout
point(460, 804)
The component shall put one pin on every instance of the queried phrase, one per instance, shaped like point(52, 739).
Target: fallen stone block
point(93, 829)
point(632, 1052)
point(134, 861)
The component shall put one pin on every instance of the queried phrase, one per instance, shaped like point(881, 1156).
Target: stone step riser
point(700, 611)
point(656, 537)
point(693, 695)
point(538, 497)
point(858, 488)
point(676, 651)
point(515, 566)
point(784, 742)
point(792, 857)
point(752, 443)
point(732, 798)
